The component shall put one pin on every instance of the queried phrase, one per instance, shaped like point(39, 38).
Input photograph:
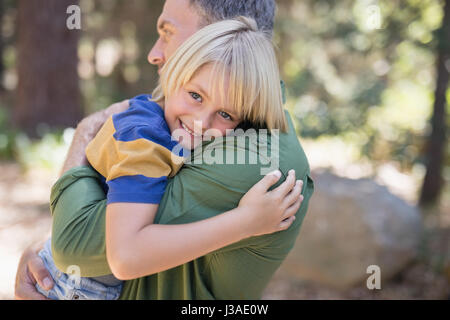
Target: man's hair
point(262, 11)
point(241, 55)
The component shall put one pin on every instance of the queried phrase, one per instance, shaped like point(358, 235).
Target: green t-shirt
point(199, 191)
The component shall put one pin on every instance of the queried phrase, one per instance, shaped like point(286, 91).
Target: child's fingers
point(286, 223)
point(292, 210)
point(269, 180)
point(294, 194)
point(283, 189)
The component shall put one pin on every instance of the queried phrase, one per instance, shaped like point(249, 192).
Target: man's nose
point(156, 55)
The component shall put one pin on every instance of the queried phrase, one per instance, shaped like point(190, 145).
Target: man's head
point(182, 18)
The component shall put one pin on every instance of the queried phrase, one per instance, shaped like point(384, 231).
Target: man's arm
point(31, 269)
point(83, 215)
point(85, 132)
point(78, 205)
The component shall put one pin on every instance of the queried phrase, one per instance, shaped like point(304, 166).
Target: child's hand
point(270, 211)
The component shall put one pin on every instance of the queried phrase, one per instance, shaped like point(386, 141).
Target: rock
point(350, 225)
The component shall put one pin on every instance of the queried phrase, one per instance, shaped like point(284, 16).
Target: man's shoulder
point(292, 155)
point(246, 153)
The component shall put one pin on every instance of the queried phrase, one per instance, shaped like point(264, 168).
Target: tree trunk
point(48, 90)
point(435, 151)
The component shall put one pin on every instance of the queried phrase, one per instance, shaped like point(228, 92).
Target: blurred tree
point(116, 38)
point(436, 143)
point(362, 71)
point(48, 91)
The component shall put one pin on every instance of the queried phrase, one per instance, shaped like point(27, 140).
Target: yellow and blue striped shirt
point(134, 152)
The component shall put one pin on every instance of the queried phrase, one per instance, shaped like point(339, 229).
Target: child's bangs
point(236, 88)
point(224, 81)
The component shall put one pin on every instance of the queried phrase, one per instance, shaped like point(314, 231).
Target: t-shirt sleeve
point(135, 153)
point(78, 206)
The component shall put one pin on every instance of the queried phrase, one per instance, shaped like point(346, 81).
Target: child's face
point(192, 110)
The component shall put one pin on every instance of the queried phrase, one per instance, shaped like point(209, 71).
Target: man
point(238, 271)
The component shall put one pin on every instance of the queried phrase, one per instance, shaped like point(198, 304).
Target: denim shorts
point(70, 287)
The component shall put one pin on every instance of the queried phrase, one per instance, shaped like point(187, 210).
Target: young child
point(224, 75)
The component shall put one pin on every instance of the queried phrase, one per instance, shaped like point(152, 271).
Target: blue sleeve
point(133, 151)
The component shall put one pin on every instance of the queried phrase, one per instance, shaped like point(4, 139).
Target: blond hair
point(239, 51)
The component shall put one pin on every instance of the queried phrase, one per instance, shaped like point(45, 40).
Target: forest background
point(367, 86)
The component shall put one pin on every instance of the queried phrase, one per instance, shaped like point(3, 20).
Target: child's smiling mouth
point(188, 130)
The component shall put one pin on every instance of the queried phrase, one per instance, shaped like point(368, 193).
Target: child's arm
point(135, 247)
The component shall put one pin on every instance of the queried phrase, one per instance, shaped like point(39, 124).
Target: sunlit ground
point(25, 218)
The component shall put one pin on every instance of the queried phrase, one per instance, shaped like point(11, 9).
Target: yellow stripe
point(114, 159)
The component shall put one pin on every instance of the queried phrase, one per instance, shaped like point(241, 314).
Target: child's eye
point(225, 115)
point(196, 96)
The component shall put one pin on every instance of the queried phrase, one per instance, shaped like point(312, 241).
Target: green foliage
point(7, 136)
point(343, 75)
point(116, 38)
point(48, 152)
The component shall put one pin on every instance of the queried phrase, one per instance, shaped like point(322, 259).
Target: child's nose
point(204, 121)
